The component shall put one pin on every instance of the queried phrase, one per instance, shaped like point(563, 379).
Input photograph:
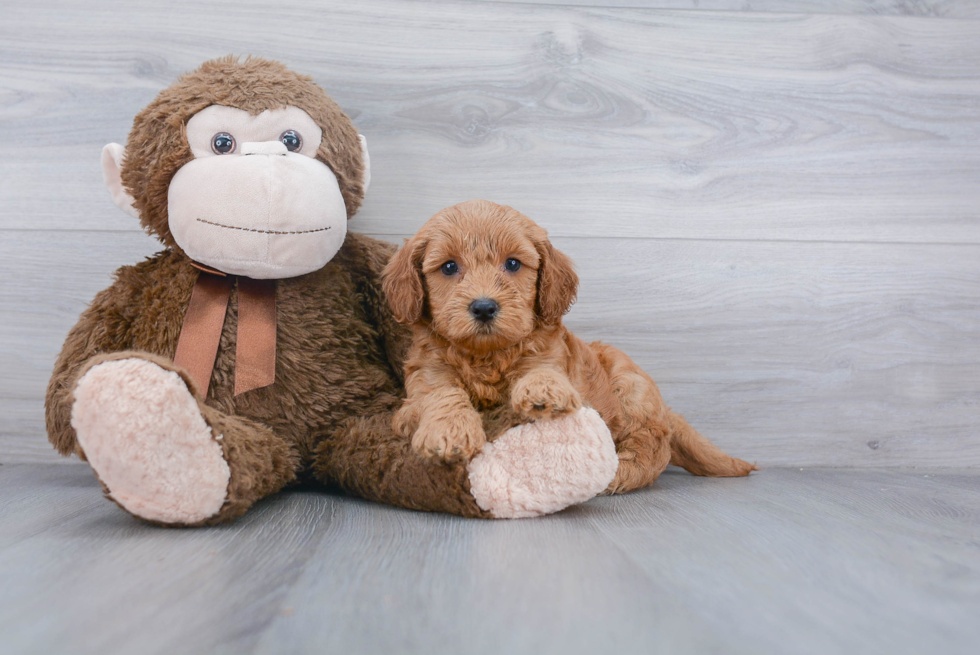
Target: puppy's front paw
point(544, 394)
point(449, 438)
point(406, 419)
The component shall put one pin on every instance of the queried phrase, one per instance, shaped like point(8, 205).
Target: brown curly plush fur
point(339, 350)
point(523, 361)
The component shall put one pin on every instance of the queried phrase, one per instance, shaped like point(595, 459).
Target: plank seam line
point(723, 12)
point(589, 237)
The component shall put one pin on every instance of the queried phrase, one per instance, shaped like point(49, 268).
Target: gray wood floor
point(789, 561)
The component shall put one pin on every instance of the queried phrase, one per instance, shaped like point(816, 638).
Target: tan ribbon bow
point(255, 343)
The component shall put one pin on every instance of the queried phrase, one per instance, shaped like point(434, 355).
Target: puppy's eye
point(512, 265)
point(292, 140)
point(222, 143)
point(449, 268)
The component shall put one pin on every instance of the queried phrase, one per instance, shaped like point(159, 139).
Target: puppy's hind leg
point(652, 435)
point(643, 456)
point(643, 435)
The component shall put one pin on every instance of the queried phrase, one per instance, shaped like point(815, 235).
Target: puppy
point(485, 292)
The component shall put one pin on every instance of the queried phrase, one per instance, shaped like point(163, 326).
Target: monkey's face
point(255, 200)
point(245, 166)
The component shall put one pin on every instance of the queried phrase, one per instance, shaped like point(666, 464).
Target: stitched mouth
point(252, 229)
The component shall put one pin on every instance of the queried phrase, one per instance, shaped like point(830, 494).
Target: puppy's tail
point(699, 456)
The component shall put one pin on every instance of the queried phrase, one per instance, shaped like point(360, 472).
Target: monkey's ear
point(557, 281)
point(366, 177)
point(402, 282)
point(112, 156)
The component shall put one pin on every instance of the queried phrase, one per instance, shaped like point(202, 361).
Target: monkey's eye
point(512, 265)
point(292, 140)
point(449, 268)
point(222, 143)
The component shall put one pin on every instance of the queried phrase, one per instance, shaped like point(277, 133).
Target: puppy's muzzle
point(484, 309)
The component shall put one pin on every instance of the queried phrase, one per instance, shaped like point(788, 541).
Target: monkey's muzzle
point(263, 214)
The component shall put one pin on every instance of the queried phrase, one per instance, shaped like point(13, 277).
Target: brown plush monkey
point(288, 362)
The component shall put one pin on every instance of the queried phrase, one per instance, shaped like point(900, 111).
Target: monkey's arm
point(395, 337)
point(102, 328)
point(366, 258)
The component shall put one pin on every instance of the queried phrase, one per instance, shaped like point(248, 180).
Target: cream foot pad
point(144, 435)
point(544, 467)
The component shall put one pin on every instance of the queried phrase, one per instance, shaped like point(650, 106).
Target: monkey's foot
point(544, 467)
point(142, 432)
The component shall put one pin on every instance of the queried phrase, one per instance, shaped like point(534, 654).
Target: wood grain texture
point(787, 561)
point(614, 122)
point(930, 8)
point(785, 353)
point(774, 214)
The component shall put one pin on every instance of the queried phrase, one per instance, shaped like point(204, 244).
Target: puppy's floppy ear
point(557, 281)
point(402, 282)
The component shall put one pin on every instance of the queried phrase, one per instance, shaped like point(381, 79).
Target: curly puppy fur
point(522, 362)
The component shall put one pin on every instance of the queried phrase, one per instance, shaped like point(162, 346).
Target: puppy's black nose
point(484, 309)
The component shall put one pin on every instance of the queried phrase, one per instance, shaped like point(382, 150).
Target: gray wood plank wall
point(935, 8)
point(775, 212)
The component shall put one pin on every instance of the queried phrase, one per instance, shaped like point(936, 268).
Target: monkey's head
point(245, 166)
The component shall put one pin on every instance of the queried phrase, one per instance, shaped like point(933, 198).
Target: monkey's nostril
point(484, 309)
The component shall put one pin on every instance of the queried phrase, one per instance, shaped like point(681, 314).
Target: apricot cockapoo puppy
point(485, 291)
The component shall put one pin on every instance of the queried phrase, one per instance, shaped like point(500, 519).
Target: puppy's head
point(482, 275)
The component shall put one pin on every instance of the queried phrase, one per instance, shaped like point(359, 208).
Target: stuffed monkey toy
point(257, 349)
